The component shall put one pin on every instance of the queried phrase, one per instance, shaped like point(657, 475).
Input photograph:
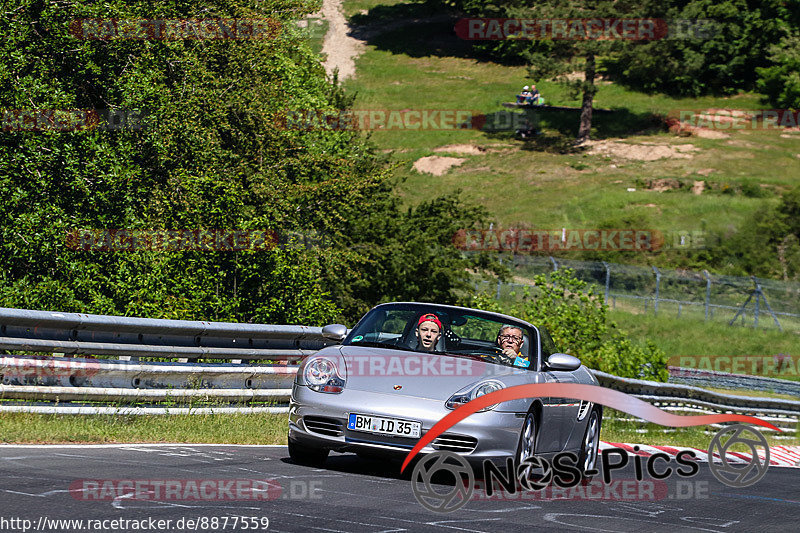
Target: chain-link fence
point(681, 293)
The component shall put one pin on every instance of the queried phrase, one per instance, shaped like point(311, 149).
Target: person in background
point(534, 98)
point(525, 96)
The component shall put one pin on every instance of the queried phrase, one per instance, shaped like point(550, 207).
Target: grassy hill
point(412, 60)
point(422, 65)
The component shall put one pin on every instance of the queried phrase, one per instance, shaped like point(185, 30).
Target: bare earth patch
point(742, 144)
point(786, 136)
point(664, 184)
point(698, 187)
point(436, 165)
point(641, 152)
point(463, 149)
point(340, 50)
point(707, 133)
point(705, 171)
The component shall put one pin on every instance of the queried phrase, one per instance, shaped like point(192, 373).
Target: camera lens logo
point(738, 475)
point(450, 467)
point(534, 473)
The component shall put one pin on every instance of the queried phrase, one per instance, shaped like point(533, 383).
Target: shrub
point(577, 320)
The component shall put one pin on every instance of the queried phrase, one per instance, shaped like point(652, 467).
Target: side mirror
point(562, 361)
point(335, 332)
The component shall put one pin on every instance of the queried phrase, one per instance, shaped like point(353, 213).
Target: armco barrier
point(724, 380)
point(77, 333)
point(70, 379)
point(688, 394)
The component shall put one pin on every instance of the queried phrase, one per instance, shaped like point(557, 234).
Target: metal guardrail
point(94, 380)
point(724, 380)
point(64, 379)
point(77, 333)
point(688, 394)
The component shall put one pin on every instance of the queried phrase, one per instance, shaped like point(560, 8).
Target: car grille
point(323, 426)
point(455, 443)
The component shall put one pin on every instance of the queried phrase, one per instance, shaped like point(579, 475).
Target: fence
point(683, 293)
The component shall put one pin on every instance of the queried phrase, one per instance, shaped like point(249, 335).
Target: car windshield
point(447, 330)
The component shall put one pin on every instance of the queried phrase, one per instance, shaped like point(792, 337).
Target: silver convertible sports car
point(405, 366)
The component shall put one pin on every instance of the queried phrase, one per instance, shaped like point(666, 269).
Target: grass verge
point(29, 428)
point(34, 428)
point(639, 432)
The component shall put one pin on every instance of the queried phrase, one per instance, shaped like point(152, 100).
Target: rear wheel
point(307, 455)
point(591, 442)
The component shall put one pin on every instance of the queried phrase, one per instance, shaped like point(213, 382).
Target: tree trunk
point(588, 98)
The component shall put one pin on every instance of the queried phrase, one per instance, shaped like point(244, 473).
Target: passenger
point(428, 331)
point(510, 339)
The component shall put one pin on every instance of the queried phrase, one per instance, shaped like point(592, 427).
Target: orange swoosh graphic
point(590, 393)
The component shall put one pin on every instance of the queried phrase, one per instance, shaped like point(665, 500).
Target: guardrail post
point(608, 280)
point(708, 290)
point(758, 297)
point(555, 265)
point(658, 283)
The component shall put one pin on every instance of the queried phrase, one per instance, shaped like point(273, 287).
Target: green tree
point(766, 244)
point(781, 81)
point(577, 320)
point(713, 47)
point(559, 59)
point(215, 152)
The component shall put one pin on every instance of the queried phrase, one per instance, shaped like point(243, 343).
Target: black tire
point(587, 460)
point(526, 447)
point(307, 455)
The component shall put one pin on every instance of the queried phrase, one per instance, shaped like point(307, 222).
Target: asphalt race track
point(41, 484)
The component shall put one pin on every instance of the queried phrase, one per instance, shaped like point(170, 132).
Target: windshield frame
point(531, 331)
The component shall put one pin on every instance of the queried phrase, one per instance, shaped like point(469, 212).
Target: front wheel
point(591, 442)
point(526, 449)
point(306, 455)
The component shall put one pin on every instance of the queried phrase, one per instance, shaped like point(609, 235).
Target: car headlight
point(463, 396)
point(322, 375)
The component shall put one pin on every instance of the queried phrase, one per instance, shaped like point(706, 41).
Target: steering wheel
point(489, 357)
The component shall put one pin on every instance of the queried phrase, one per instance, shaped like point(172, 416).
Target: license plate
point(384, 426)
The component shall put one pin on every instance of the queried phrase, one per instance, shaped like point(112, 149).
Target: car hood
point(405, 373)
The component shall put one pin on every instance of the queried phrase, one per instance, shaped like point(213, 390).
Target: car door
point(564, 411)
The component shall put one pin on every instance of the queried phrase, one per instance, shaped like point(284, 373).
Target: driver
point(428, 331)
point(510, 339)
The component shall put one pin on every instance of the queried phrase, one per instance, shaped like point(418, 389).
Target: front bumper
point(320, 420)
